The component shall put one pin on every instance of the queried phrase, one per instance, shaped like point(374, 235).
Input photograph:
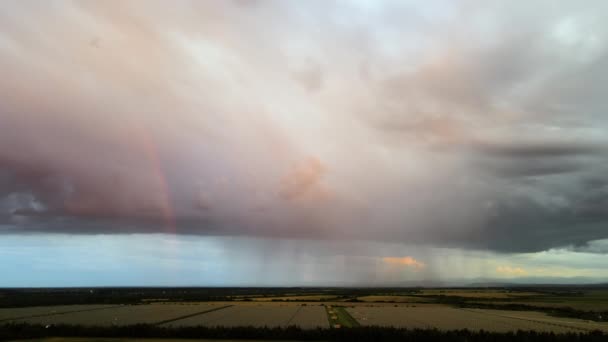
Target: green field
point(340, 318)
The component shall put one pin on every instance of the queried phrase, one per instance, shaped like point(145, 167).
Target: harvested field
point(481, 294)
point(124, 315)
point(540, 317)
point(422, 301)
point(260, 316)
point(305, 316)
point(36, 311)
point(588, 305)
point(393, 299)
point(298, 298)
point(310, 317)
point(243, 315)
point(387, 316)
point(452, 318)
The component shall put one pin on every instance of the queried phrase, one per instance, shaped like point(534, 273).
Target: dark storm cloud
point(522, 159)
point(475, 124)
point(543, 149)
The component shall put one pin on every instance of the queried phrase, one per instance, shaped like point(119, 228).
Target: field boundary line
point(191, 315)
point(329, 320)
point(59, 313)
point(294, 315)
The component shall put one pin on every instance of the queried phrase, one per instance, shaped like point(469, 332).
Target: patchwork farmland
point(199, 314)
point(305, 316)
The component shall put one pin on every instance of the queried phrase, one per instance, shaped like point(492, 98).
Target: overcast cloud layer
point(470, 124)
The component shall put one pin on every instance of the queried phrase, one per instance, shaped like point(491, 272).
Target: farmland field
point(14, 313)
point(354, 310)
point(588, 305)
point(540, 317)
point(260, 316)
point(393, 299)
point(339, 317)
point(214, 314)
point(310, 317)
point(298, 298)
point(446, 318)
point(124, 315)
point(499, 294)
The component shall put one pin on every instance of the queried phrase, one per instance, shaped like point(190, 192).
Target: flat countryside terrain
point(501, 311)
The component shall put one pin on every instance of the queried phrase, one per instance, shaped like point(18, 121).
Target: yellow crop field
point(260, 316)
point(124, 315)
point(37, 311)
point(480, 293)
point(566, 303)
point(300, 298)
point(542, 318)
point(310, 317)
point(269, 314)
point(445, 318)
point(393, 299)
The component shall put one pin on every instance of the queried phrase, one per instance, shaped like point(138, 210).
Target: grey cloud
point(310, 76)
point(482, 127)
point(541, 149)
point(534, 168)
point(599, 247)
point(539, 158)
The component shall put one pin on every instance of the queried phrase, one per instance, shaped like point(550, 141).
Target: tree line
point(357, 334)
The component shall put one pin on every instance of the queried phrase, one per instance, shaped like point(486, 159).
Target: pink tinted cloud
point(407, 261)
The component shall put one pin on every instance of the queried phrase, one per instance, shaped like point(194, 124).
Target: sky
point(287, 143)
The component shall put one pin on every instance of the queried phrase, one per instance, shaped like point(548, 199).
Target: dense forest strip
point(59, 313)
point(192, 315)
point(369, 334)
